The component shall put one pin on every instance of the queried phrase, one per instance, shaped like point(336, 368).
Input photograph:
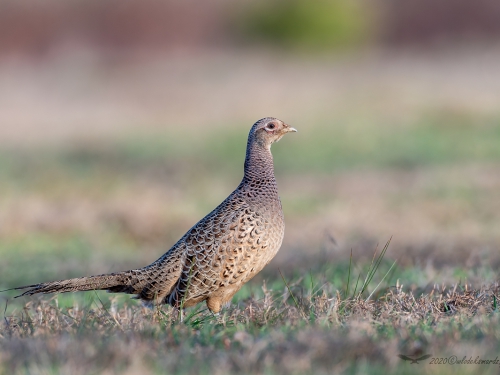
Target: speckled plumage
point(219, 254)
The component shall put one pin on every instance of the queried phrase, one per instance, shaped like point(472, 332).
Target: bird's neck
point(258, 163)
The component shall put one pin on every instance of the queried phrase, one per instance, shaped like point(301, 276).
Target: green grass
point(428, 143)
point(292, 325)
point(74, 211)
point(322, 148)
point(306, 317)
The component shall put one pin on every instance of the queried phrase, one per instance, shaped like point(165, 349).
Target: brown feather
point(219, 254)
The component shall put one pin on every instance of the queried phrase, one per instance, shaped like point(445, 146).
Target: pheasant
point(220, 253)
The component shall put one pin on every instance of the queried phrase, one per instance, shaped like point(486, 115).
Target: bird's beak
point(288, 128)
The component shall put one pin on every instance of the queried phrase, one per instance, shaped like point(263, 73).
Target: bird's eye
point(271, 126)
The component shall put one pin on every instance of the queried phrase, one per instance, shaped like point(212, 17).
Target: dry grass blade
point(348, 276)
point(291, 295)
point(383, 278)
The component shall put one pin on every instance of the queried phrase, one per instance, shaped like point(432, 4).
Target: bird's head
point(268, 130)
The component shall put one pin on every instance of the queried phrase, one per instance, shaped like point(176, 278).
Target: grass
point(341, 317)
point(323, 148)
point(324, 305)
point(303, 325)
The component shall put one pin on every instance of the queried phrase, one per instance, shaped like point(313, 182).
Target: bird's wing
point(405, 358)
point(206, 246)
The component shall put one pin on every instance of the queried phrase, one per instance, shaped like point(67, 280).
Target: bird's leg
point(214, 304)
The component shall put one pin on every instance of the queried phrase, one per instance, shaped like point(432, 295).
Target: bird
point(414, 360)
point(220, 253)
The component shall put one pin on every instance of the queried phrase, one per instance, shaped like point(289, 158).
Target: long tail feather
point(124, 282)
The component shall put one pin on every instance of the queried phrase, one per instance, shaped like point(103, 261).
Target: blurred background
point(122, 123)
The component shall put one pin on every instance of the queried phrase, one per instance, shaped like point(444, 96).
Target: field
point(408, 154)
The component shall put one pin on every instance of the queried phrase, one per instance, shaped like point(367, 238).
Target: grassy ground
point(429, 180)
point(308, 324)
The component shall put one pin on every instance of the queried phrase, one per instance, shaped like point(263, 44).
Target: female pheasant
point(220, 253)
